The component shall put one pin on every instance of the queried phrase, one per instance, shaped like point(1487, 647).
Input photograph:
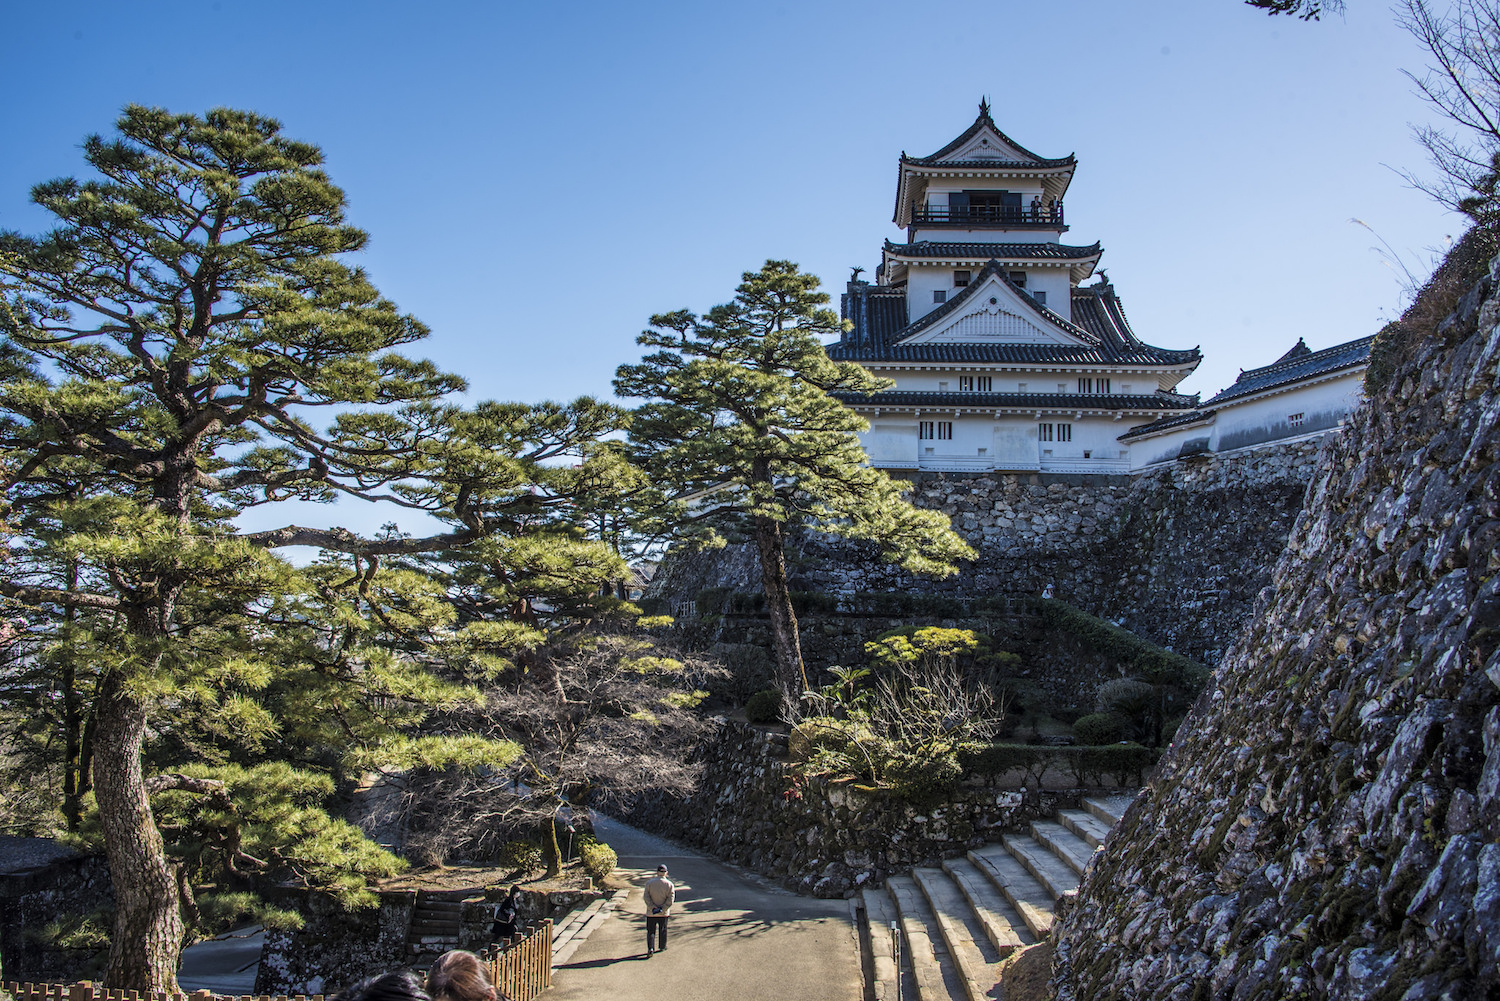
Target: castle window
point(1040, 297)
point(960, 279)
point(924, 430)
point(966, 383)
point(945, 430)
point(1295, 420)
point(1018, 278)
point(1044, 432)
point(1065, 432)
point(1085, 385)
point(1088, 453)
point(984, 383)
point(1021, 386)
point(939, 295)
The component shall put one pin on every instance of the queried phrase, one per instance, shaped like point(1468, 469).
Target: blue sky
point(539, 178)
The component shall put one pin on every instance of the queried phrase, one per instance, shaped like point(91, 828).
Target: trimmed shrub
point(520, 855)
point(764, 706)
point(924, 782)
point(1100, 728)
point(599, 860)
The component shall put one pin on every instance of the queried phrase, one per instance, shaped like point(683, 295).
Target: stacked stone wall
point(819, 836)
point(54, 895)
point(1177, 553)
point(1327, 823)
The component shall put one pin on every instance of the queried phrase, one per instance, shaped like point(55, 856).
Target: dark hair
point(401, 985)
point(458, 975)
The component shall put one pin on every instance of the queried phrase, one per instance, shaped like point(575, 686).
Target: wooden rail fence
point(86, 991)
point(521, 966)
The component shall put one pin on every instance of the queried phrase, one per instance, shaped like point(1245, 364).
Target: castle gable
point(992, 311)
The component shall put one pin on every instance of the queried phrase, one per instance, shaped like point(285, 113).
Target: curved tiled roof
point(1024, 401)
point(984, 120)
point(1167, 423)
point(1296, 365)
point(1104, 333)
point(995, 251)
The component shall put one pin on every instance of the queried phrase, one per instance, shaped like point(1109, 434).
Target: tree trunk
point(552, 849)
point(73, 768)
point(785, 643)
point(147, 939)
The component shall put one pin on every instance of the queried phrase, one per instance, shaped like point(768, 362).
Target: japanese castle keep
point(1002, 358)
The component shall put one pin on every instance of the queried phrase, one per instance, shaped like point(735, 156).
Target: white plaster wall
point(891, 441)
point(1323, 405)
point(1257, 421)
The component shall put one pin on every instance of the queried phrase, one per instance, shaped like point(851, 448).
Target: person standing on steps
point(660, 892)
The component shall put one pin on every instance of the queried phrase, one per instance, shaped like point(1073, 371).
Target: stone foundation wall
point(65, 887)
point(1178, 553)
point(335, 947)
point(820, 837)
point(1327, 823)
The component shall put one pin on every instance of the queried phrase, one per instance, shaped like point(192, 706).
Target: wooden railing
point(521, 967)
point(85, 991)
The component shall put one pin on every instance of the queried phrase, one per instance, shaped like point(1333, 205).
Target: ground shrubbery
point(599, 860)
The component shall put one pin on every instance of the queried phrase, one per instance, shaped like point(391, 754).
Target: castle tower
point(1002, 359)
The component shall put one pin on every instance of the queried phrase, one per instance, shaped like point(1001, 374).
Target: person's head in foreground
point(459, 976)
point(401, 985)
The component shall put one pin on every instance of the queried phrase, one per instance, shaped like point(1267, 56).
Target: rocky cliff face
point(1328, 821)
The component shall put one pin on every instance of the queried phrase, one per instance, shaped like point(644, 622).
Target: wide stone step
point(1108, 808)
point(880, 913)
point(1070, 849)
point(1052, 872)
point(1004, 928)
point(971, 950)
point(1028, 896)
point(1084, 824)
point(934, 973)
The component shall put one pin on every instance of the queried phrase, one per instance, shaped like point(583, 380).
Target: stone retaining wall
point(825, 838)
point(1178, 553)
point(1327, 823)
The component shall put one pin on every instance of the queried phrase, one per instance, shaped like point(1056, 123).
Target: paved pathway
point(730, 938)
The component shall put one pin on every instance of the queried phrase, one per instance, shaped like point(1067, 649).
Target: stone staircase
point(436, 926)
point(957, 922)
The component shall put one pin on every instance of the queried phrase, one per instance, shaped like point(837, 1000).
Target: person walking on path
point(660, 893)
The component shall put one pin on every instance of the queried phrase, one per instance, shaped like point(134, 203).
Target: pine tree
point(741, 433)
point(164, 346)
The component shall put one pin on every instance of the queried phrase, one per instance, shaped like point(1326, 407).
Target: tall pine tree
point(166, 346)
point(740, 431)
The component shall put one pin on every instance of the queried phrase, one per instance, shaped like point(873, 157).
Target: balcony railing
point(992, 215)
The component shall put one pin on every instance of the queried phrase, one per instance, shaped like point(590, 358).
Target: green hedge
point(1125, 763)
point(1142, 658)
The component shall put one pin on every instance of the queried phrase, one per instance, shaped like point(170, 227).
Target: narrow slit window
point(945, 430)
point(1295, 420)
point(924, 430)
point(966, 383)
point(1044, 432)
point(1065, 432)
point(984, 383)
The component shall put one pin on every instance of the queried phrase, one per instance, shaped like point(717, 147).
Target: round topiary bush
point(1100, 728)
point(598, 860)
point(764, 706)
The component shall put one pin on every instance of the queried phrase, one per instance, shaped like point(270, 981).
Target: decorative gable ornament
point(992, 312)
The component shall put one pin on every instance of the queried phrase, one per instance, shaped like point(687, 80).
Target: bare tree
point(1463, 84)
point(610, 716)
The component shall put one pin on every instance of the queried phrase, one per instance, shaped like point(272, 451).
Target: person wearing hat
point(660, 892)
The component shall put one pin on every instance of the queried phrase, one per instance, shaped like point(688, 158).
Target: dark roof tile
point(1052, 401)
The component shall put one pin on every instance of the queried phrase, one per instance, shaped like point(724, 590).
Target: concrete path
point(731, 937)
point(224, 965)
